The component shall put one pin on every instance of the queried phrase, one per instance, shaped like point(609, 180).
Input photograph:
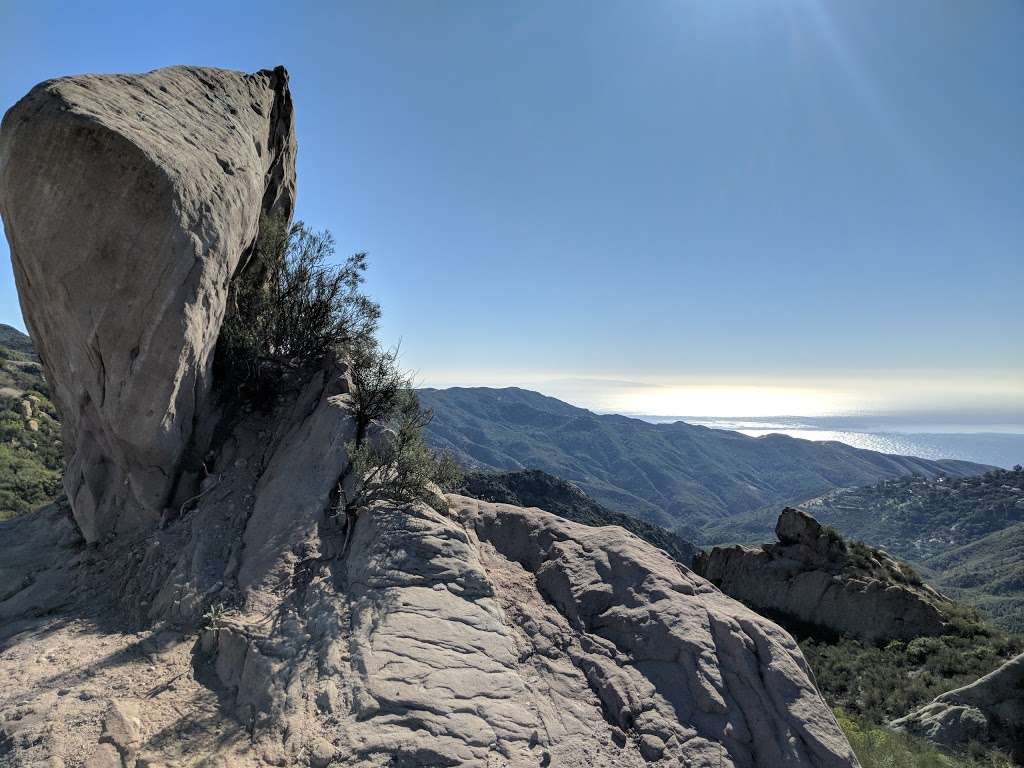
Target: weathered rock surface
point(810, 578)
point(129, 201)
point(989, 711)
point(260, 626)
point(489, 635)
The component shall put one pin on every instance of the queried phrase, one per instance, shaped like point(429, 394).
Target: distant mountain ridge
point(16, 341)
point(535, 488)
point(678, 475)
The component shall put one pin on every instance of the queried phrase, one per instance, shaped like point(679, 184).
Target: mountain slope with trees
point(677, 475)
point(966, 534)
point(31, 457)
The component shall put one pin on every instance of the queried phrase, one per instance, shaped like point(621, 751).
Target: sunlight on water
point(998, 444)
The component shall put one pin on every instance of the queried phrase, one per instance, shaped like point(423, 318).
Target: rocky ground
point(491, 635)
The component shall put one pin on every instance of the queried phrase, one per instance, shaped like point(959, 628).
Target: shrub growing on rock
point(290, 305)
point(396, 462)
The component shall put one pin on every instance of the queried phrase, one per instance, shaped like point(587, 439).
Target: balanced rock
point(267, 624)
point(129, 202)
point(810, 577)
point(988, 711)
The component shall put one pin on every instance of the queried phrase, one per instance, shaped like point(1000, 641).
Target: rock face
point(489, 635)
point(811, 577)
point(989, 710)
point(129, 202)
point(261, 626)
point(535, 488)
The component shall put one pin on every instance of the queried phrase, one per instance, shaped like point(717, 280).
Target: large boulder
point(269, 623)
point(988, 711)
point(129, 202)
point(813, 579)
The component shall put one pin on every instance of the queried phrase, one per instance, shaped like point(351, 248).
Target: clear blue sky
point(755, 192)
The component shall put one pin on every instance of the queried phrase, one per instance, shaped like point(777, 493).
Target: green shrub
point(31, 454)
point(834, 538)
point(880, 684)
point(395, 463)
point(878, 747)
point(289, 308)
point(289, 305)
point(25, 482)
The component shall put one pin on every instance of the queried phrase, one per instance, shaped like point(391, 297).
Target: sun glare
point(728, 400)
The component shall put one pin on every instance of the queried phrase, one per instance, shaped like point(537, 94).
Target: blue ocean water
point(997, 443)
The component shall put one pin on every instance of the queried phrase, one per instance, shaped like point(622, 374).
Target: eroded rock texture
point(810, 578)
point(129, 201)
point(262, 625)
point(489, 635)
point(988, 711)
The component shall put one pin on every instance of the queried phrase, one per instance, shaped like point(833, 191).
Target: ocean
point(999, 444)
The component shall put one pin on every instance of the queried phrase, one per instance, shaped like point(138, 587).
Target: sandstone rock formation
point(129, 203)
point(259, 626)
point(988, 711)
point(491, 635)
point(811, 577)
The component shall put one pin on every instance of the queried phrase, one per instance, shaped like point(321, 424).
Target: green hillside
point(31, 457)
point(678, 475)
point(14, 340)
point(964, 534)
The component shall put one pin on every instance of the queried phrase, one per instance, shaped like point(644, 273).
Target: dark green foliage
point(534, 488)
point(878, 747)
point(31, 456)
point(868, 561)
point(395, 463)
point(834, 538)
point(880, 684)
point(290, 305)
point(25, 483)
point(380, 386)
point(675, 475)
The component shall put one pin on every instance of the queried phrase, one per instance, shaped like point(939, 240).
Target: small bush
point(396, 463)
point(834, 538)
point(289, 304)
point(379, 385)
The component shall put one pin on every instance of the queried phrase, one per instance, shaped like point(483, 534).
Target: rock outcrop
point(812, 577)
point(129, 203)
point(988, 711)
point(259, 626)
point(489, 635)
point(535, 488)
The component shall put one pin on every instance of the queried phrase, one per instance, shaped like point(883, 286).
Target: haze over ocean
point(999, 444)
